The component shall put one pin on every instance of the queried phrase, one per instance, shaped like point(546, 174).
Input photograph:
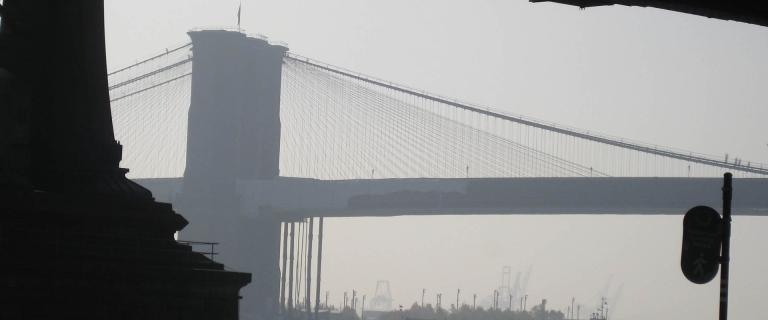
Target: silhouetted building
point(79, 240)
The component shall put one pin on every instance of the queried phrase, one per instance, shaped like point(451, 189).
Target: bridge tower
point(234, 113)
point(234, 135)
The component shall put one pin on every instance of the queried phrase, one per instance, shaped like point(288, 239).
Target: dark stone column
point(79, 240)
point(54, 51)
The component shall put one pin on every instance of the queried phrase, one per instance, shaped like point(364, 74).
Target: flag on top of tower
point(239, 10)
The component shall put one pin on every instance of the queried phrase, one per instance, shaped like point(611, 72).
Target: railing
point(64, 242)
point(210, 253)
point(221, 28)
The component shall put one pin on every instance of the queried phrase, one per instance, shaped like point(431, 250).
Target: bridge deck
point(294, 198)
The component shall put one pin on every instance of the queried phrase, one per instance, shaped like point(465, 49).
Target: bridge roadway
point(295, 198)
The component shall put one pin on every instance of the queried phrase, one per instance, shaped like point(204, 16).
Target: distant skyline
point(661, 77)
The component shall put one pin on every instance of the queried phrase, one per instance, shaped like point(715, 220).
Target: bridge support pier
point(319, 266)
point(244, 243)
point(284, 269)
point(290, 266)
point(234, 135)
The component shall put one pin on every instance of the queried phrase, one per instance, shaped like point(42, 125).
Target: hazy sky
point(651, 75)
point(645, 74)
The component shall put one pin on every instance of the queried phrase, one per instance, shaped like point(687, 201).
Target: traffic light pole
point(726, 253)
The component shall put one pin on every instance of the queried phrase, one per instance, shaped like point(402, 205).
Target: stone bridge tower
point(234, 135)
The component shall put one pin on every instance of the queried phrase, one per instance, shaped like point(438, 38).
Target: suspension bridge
point(338, 134)
point(247, 138)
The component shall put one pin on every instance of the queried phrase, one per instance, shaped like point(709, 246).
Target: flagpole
point(239, 12)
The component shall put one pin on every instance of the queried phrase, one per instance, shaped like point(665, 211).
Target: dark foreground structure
point(79, 240)
point(747, 11)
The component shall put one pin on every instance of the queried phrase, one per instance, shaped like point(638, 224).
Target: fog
point(571, 256)
point(661, 77)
